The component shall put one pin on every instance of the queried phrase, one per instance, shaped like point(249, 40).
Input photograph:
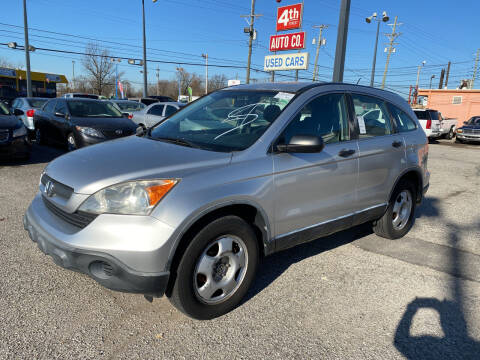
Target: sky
point(181, 30)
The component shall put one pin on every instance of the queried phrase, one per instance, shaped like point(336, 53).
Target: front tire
point(398, 219)
point(71, 142)
point(216, 269)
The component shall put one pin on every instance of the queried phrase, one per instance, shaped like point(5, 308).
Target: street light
point(418, 72)
point(431, 78)
point(369, 19)
point(145, 91)
point(205, 56)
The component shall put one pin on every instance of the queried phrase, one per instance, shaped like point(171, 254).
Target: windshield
point(226, 120)
point(4, 109)
point(88, 108)
point(474, 121)
point(130, 106)
point(37, 103)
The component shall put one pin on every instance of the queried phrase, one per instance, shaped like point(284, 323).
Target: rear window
point(149, 101)
point(422, 115)
point(434, 115)
point(37, 103)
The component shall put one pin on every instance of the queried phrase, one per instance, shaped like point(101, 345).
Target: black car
point(13, 136)
point(77, 122)
point(162, 98)
point(470, 131)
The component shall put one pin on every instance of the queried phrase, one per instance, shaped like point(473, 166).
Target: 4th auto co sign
point(288, 18)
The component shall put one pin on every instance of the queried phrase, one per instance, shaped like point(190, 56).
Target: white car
point(155, 113)
point(430, 121)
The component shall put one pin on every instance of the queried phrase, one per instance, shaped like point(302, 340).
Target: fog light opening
point(101, 269)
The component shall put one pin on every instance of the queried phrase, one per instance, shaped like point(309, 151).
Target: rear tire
point(216, 269)
point(451, 134)
point(398, 219)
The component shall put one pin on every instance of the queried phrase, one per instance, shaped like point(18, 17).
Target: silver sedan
point(155, 113)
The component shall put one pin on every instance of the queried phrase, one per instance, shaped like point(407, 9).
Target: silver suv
point(189, 206)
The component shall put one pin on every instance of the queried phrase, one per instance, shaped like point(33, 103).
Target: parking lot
point(351, 295)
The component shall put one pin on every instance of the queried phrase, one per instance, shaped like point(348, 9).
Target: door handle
point(397, 144)
point(346, 153)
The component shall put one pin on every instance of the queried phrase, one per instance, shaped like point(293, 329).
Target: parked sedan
point(76, 122)
point(13, 135)
point(470, 131)
point(155, 113)
point(26, 108)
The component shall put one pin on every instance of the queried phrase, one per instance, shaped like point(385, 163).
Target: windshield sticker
point(284, 96)
point(361, 125)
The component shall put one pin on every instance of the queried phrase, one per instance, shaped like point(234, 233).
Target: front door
point(382, 152)
point(313, 191)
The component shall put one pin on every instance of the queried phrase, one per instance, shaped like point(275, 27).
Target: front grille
point(112, 134)
point(59, 189)
point(472, 131)
point(4, 135)
point(79, 218)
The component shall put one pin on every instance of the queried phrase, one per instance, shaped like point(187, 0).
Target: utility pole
point(475, 68)
point(145, 90)
point(319, 43)
point(448, 73)
point(158, 80)
point(339, 63)
point(391, 49)
point(251, 32)
point(27, 50)
point(418, 73)
point(442, 76)
point(205, 56)
point(73, 73)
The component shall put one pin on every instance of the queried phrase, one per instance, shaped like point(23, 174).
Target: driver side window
point(326, 116)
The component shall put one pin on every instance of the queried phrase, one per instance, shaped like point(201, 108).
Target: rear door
point(382, 152)
point(315, 192)
point(45, 119)
point(60, 124)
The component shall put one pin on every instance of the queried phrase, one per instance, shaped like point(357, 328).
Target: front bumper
point(123, 261)
point(468, 137)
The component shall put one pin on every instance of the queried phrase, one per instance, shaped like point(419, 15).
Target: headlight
point(459, 131)
point(20, 131)
point(130, 198)
point(89, 131)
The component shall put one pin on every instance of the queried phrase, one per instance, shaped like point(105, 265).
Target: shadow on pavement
point(40, 154)
point(273, 266)
point(456, 342)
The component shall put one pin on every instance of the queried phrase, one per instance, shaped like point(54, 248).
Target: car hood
point(476, 127)
point(95, 167)
point(104, 123)
point(8, 121)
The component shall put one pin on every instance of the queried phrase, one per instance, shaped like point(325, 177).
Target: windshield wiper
point(181, 142)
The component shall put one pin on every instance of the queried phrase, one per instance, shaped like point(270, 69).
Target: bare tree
point(99, 68)
point(217, 82)
point(7, 64)
point(189, 80)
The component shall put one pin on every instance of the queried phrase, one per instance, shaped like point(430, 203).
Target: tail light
point(130, 116)
point(30, 113)
point(429, 124)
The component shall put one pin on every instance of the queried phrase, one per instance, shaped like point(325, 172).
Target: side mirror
point(18, 112)
point(141, 131)
point(125, 115)
point(302, 144)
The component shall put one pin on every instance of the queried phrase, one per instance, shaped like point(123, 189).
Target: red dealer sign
point(289, 17)
point(293, 41)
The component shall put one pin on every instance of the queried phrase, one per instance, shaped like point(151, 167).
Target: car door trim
point(324, 228)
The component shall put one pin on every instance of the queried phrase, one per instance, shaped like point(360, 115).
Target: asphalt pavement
point(347, 296)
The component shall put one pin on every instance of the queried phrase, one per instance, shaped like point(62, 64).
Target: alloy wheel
point(402, 208)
